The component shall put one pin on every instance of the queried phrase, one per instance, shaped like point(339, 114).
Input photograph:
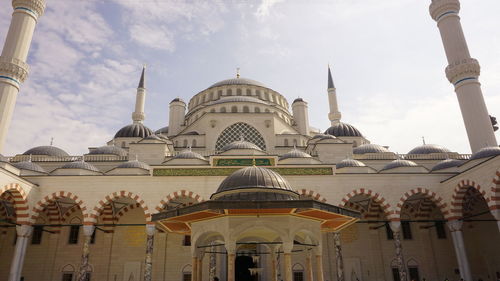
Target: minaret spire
point(334, 114)
point(138, 115)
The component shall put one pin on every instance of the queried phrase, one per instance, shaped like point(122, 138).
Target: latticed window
point(238, 130)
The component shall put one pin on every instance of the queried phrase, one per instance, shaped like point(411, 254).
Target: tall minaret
point(463, 72)
point(334, 114)
point(13, 66)
point(138, 115)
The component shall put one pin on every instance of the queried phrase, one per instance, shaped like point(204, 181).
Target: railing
point(88, 158)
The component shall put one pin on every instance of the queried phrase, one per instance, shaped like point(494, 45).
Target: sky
point(386, 56)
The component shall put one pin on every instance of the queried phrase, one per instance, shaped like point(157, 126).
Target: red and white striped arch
point(21, 207)
point(48, 201)
point(436, 199)
point(384, 205)
point(178, 194)
point(494, 203)
point(457, 200)
point(311, 193)
point(101, 205)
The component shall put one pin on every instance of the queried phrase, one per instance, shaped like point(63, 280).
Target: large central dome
point(237, 81)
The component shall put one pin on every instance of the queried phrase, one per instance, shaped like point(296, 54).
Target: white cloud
point(265, 7)
point(153, 36)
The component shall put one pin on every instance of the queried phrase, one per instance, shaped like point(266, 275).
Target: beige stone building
point(240, 187)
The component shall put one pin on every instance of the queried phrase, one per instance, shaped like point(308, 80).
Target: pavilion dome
point(237, 81)
point(399, 163)
point(240, 144)
point(294, 153)
point(134, 164)
point(448, 163)
point(343, 130)
point(109, 149)
point(47, 150)
point(80, 165)
point(188, 154)
point(428, 149)
point(370, 148)
point(135, 130)
point(29, 166)
point(347, 163)
point(486, 152)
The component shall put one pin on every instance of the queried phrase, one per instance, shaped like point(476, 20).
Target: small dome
point(80, 165)
point(255, 183)
point(156, 137)
point(399, 163)
point(294, 153)
point(46, 150)
point(241, 144)
point(109, 149)
point(238, 99)
point(486, 152)
point(370, 148)
point(163, 130)
point(188, 154)
point(350, 163)
point(29, 166)
point(135, 130)
point(428, 149)
point(343, 130)
point(237, 81)
point(3, 158)
point(135, 164)
point(297, 100)
point(448, 163)
point(177, 100)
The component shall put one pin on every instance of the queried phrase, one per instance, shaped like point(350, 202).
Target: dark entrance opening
point(242, 264)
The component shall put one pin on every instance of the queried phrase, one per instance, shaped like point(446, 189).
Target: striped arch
point(48, 203)
point(384, 205)
point(125, 210)
point(178, 194)
point(457, 199)
point(101, 205)
point(311, 193)
point(494, 203)
point(20, 202)
point(437, 200)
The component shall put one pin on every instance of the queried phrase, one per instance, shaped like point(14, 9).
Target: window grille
point(236, 131)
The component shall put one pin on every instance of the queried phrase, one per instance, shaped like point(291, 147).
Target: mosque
point(238, 187)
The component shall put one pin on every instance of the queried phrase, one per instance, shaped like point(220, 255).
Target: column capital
point(287, 247)
point(37, 7)
point(395, 226)
point(24, 230)
point(13, 70)
point(455, 225)
point(88, 230)
point(150, 229)
point(466, 69)
point(440, 8)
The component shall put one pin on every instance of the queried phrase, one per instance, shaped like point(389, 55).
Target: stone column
point(396, 230)
point(212, 272)
point(455, 227)
point(148, 263)
point(194, 273)
point(287, 253)
point(309, 266)
point(274, 269)
point(16, 267)
point(231, 256)
point(88, 230)
point(319, 266)
point(338, 255)
point(200, 268)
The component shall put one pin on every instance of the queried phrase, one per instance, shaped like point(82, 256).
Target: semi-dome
point(135, 130)
point(255, 183)
point(349, 163)
point(47, 150)
point(134, 164)
point(240, 144)
point(238, 99)
point(80, 165)
point(237, 81)
point(188, 154)
point(448, 163)
point(370, 148)
point(294, 153)
point(486, 152)
point(109, 149)
point(343, 130)
point(428, 149)
point(29, 166)
point(399, 163)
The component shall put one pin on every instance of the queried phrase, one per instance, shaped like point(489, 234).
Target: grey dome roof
point(241, 144)
point(134, 164)
point(448, 163)
point(255, 183)
point(109, 149)
point(135, 130)
point(3, 158)
point(349, 163)
point(177, 99)
point(343, 130)
point(370, 148)
point(46, 150)
point(188, 154)
point(237, 81)
point(486, 152)
point(238, 99)
point(156, 137)
point(30, 166)
point(428, 149)
point(297, 100)
point(163, 130)
point(294, 153)
point(323, 136)
point(80, 165)
point(399, 163)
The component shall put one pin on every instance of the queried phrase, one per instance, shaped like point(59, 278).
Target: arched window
point(286, 142)
point(223, 110)
point(193, 144)
point(219, 94)
point(298, 272)
point(266, 94)
point(186, 273)
point(238, 92)
point(177, 143)
point(246, 109)
point(234, 133)
point(267, 110)
point(229, 92)
point(234, 109)
point(68, 271)
point(211, 95)
point(257, 110)
point(185, 143)
point(249, 92)
point(295, 142)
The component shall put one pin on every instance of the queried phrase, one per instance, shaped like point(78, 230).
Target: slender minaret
point(138, 115)
point(334, 114)
point(463, 72)
point(13, 66)
point(301, 116)
point(177, 113)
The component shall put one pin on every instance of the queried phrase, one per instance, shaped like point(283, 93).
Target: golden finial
point(237, 72)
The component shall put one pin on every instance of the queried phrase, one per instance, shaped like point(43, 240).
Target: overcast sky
point(387, 61)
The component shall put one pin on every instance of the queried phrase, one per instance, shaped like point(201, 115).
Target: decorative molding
point(461, 70)
point(227, 171)
point(13, 68)
point(459, 195)
point(117, 195)
point(311, 193)
point(178, 194)
point(437, 200)
point(439, 8)
point(20, 201)
point(45, 202)
point(376, 197)
point(36, 6)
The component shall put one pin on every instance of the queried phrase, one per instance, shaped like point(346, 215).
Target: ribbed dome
point(486, 152)
point(237, 81)
point(343, 130)
point(370, 148)
point(241, 144)
point(255, 183)
point(134, 164)
point(80, 165)
point(448, 163)
point(238, 99)
point(428, 149)
point(46, 150)
point(30, 166)
point(135, 130)
point(188, 154)
point(109, 149)
point(294, 153)
point(399, 163)
point(349, 163)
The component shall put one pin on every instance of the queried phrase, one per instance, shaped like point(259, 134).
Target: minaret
point(463, 72)
point(301, 116)
point(176, 116)
point(138, 115)
point(13, 66)
point(334, 114)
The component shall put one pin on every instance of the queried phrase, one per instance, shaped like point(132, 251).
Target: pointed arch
point(49, 199)
point(457, 200)
point(311, 193)
point(494, 203)
point(235, 131)
point(379, 199)
point(20, 201)
point(178, 194)
point(101, 205)
point(436, 199)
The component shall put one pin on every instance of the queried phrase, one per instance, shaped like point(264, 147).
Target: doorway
point(242, 272)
